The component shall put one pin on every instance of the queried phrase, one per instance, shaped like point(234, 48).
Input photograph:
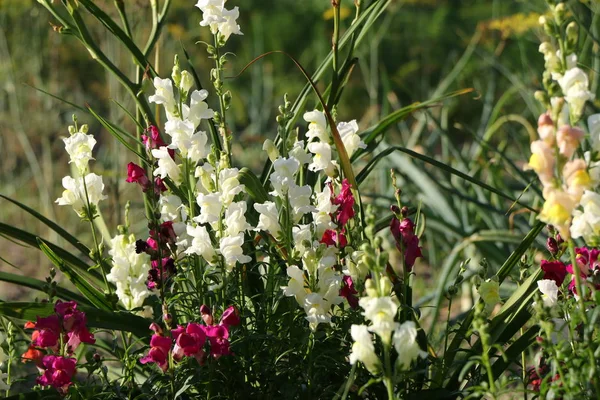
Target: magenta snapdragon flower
point(345, 201)
point(58, 372)
point(406, 240)
point(137, 174)
point(349, 292)
point(160, 346)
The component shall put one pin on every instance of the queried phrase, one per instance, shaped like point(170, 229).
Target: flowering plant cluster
point(295, 282)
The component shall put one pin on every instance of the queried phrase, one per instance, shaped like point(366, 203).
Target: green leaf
point(32, 240)
point(118, 134)
point(253, 185)
point(52, 225)
point(453, 171)
point(99, 319)
point(526, 340)
point(95, 296)
point(36, 284)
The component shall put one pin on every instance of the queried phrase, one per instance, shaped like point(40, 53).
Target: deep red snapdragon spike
point(137, 174)
point(230, 317)
point(159, 352)
point(349, 292)
point(555, 270)
point(345, 201)
point(58, 372)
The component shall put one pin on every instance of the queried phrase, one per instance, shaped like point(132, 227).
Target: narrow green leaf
point(253, 185)
point(36, 284)
point(95, 296)
point(100, 319)
point(52, 225)
point(119, 136)
point(32, 240)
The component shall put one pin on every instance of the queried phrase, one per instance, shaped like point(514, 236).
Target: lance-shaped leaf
point(95, 296)
point(100, 319)
point(36, 284)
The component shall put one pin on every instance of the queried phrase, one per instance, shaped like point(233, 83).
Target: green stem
point(388, 373)
point(219, 91)
point(578, 286)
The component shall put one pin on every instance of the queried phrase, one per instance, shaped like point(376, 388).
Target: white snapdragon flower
point(166, 165)
point(284, 171)
point(229, 184)
point(235, 218)
point(164, 94)
point(212, 13)
point(300, 154)
point(363, 349)
point(300, 201)
point(199, 109)
point(181, 132)
point(575, 86)
point(321, 158)
point(230, 26)
point(129, 271)
point(75, 193)
point(171, 208)
point(381, 311)
point(295, 285)
point(586, 224)
point(317, 310)
point(269, 218)
point(322, 217)
point(405, 342)
point(201, 243)
point(218, 18)
point(317, 127)
point(198, 147)
point(356, 268)
point(79, 146)
point(348, 133)
point(549, 291)
point(301, 234)
point(210, 208)
point(231, 249)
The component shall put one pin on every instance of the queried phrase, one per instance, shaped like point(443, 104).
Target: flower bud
point(84, 128)
point(72, 130)
point(559, 11)
point(176, 72)
point(542, 97)
point(552, 246)
point(271, 150)
point(167, 318)
point(370, 288)
point(386, 286)
point(395, 209)
point(97, 357)
point(206, 315)
point(187, 82)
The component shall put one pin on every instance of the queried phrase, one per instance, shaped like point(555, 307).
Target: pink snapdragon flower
point(189, 341)
point(334, 238)
point(137, 174)
point(152, 138)
point(48, 331)
point(218, 336)
point(345, 201)
point(230, 317)
point(160, 346)
point(349, 292)
point(58, 372)
point(406, 240)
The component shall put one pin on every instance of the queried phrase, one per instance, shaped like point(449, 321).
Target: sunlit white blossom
point(79, 146)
